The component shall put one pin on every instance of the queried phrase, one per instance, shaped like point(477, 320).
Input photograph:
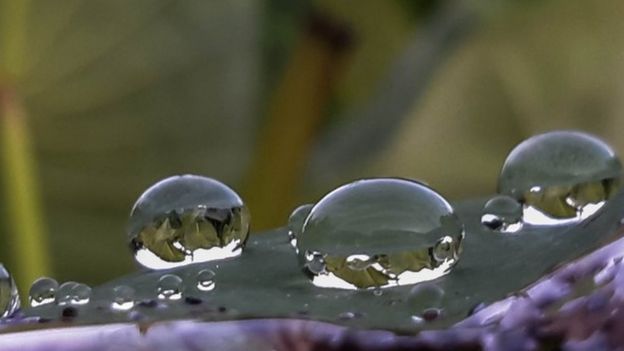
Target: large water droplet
point(186, 219)
point(73, 293)
point(378, 233)
point(123, 298)
point(561, 175)
point(42, 291)
point(169, 287)
point(9, 297)
point(502, 213)
point(205, 280)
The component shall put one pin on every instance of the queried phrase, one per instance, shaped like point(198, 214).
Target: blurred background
point(283, 100)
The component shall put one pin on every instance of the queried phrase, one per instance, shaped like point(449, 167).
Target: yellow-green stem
point(26, 237)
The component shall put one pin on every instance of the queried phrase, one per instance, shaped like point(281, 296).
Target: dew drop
point(9, 296)
point(502, 213)
point(169, 287)
point(378, 233)
point(73, 293)
point(426, 294)
point(295, 223)
point(560, 176)
point(42, 291)
point(123, 298)
point(82, 294)
point(187, 219)
point(205, 280)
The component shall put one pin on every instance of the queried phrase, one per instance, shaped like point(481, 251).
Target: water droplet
point(42, 291)
point(187, 219)
point(560, 176)
point(123, 298)
point(9, 297)
point(73, 293)
point(377, 233)
point(169, 287)
point(426, 294)
point(82, 294)
point(502, 213)
point(205, 280)
point(295, 223)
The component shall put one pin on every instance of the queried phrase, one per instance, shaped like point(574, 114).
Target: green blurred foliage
point(120, 94)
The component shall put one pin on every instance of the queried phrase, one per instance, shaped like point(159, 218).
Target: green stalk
point(26, 239)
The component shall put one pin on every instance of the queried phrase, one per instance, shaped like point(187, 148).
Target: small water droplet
point(356, 236)
point(82, 294)
point(9, 296)
point(42, 291)
point(502, 213)
point(377, 292)
point(187, 219)
point(123, 298)
point(73, 293)
point(64, 295)
point(169, 287)
point(295, 223)
point(205, 280)
point(426, 294)
point(560, 176)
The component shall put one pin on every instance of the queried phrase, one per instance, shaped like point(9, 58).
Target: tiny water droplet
point(42, 291)
point(73, 293)
point(377, 233)
point(9, 296)
point(377, 292)
point(169, 287)
point(426, 294)
point(123, 298)
point(502, 213)
point(205, 280)
point(560, 176)
point(82, 294)
point(187, 219)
